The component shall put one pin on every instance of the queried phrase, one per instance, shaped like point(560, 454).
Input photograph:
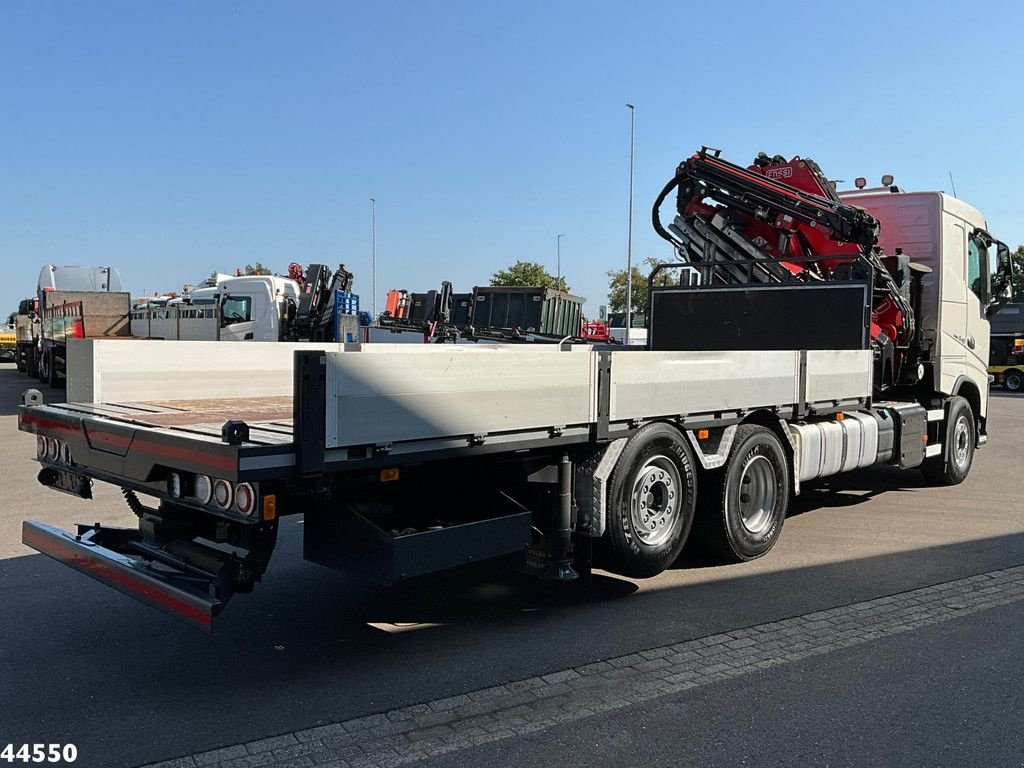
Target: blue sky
point(170, 139)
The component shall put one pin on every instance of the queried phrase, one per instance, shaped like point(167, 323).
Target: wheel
point(743, 508)
point(651, 501)
point(953, 466)
point(43, 369)
point(1013, 380)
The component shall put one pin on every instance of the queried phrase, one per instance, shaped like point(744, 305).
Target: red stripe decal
point(67, 555)
point(226, 463)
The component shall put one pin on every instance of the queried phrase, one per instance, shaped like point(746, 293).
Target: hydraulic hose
point(656, 210)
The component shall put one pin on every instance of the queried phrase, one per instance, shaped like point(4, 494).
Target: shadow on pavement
point(13, 383)
point(128, 685)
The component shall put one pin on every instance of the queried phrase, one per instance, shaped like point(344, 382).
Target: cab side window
point(977, 265)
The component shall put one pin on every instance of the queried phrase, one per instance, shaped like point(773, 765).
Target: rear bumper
point(161, 589)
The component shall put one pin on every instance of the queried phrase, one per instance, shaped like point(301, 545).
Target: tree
point(256, 269)
point(527, 273)
point(1017, 257)
point(617, 286)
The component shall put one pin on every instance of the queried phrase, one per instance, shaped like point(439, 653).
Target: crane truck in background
point(87, 303)
point(314, 304)
point(801, 334)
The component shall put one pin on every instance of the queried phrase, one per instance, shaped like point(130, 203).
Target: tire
point(953, 466)
point(43, 368)
point(1013, 380)
point(651, 502)
point(743, 507)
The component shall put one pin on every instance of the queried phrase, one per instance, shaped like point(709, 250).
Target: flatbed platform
point(322, 410)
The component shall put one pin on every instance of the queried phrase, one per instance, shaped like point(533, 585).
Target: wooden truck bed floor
point(269, 418)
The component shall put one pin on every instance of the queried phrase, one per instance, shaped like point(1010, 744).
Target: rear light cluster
point(53, 450)
point(226, 496)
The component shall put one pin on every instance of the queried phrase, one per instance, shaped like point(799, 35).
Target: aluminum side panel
point(129, 370)
point(650, 384)
point(838, 375)
point(375, 398)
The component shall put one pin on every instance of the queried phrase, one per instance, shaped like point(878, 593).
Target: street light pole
point(558, 264)
point(629, 226)
point(373, 258)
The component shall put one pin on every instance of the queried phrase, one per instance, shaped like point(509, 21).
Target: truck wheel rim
point(961, 442)
point(757, 494)
point(654, 504)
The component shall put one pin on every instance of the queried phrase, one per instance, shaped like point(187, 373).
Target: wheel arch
point(770, 420)
point(969, 391)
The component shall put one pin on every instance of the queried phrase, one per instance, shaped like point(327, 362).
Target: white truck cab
point(950, 238)
point(252, 307)
point(247, 308)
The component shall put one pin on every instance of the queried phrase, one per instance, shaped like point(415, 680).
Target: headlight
point(222, 494)
point(40, 447)
point(245, 499)
point(65, 453)
point(202, 489)
point(52, 449)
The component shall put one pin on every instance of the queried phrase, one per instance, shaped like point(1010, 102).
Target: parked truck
point(314, 304)
point(516, 314)
point(1006, 352)
point(76, 303)
point(803, 334)
point(26, 333)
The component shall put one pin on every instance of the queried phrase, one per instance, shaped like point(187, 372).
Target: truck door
point(978, 282)
point(236, 318)
point(952, 338)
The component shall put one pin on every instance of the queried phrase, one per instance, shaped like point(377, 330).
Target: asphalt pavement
point(81, 663)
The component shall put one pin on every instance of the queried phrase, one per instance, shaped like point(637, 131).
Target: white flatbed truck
point(406, 460)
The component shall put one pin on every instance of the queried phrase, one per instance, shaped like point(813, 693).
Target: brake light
point(245, 499)
point(222, 494)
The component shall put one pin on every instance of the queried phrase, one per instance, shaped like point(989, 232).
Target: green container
point(537, 310)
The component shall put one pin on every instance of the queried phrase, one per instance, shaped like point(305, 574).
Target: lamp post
point(558, 263)
point(629, 226)
point(373, 258)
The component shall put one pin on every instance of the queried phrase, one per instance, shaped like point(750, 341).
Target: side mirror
point(1001, 281)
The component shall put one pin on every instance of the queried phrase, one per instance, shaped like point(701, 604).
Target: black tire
point(42, 369)
point(953, 466)
point(651, 502)
point(1013, 380)
point(734, 529)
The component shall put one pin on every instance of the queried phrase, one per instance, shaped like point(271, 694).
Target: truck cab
point(958, 288)
point(253, 307)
